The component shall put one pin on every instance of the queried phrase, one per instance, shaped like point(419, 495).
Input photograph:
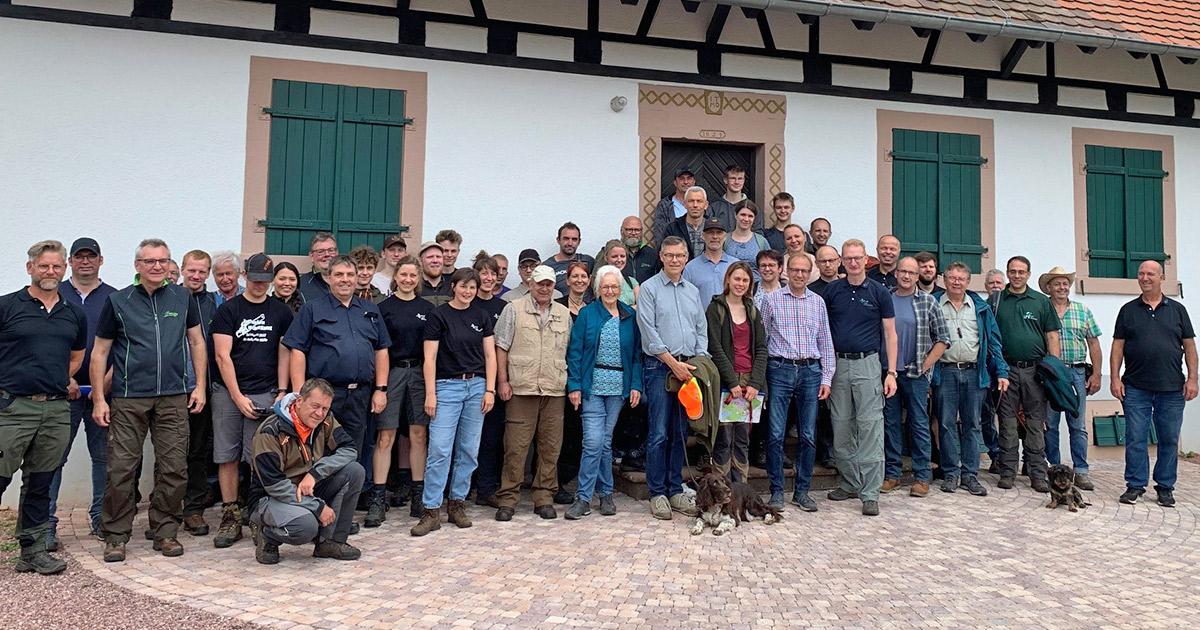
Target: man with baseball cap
point(435, 287)
point(394, 248)
point(252, 373)
point(526, 263)
point(707, 271)
point(674, 206)
point(86, 290)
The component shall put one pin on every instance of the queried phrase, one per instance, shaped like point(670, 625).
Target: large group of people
point(383, 378)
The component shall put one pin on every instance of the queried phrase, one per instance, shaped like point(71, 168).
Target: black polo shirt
point(886, 279)
point(36, 346)
point(856, 314)
point(1153, 343)
point(339, 341)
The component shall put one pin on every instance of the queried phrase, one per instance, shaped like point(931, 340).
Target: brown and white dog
point(1063, 490)
point(723, 504)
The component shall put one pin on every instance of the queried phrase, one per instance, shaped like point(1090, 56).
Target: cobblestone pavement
point(948, 560)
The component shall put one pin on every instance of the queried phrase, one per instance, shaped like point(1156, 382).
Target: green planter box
point(1110, 431)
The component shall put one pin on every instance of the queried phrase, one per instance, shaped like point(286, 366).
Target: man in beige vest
point(531, 353)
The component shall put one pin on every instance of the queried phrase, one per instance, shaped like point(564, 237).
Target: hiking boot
point(1005, 483)
point(889, 485)
point(974, 487)
point(265, 551)
point(230, 529)
point(608, 507)
point(149, 534)
point(336, 550)
point(660, 508)
point(685, 504)
point(804, 502)
point(195, 525)
point(578, 510)
point(837, 494)
point(505, 514)
point(776, 500)
point(1166, 498)
point(377, 509)
point(430, 520)
point(114, 552)
point(919, 489)
point(1132, 495)
point(1039, 485)
point(870, 508)
point(546, 511)
point(486, 500)
point(950, 484)
point(457, 513)
point(415, 509)
point(52, 540)
point(563, 497)
point(170, 547)
point(41, 562)
point(994, 466)
point(364, 502)
point(1084, 482)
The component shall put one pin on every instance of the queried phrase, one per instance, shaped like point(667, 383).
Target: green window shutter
point(936, 195)
point(335, 165)
point(1124, 210)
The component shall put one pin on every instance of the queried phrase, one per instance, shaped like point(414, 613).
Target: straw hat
point(1055, 272)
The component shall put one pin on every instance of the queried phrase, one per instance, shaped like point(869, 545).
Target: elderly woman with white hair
point(603, 370)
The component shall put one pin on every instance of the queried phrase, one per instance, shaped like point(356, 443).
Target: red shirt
point(743, 358)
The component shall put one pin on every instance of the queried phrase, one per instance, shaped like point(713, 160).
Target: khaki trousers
point(166, 418)
point(531, 417)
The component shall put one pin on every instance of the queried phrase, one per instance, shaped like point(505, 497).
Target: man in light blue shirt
point(670, 315)
point(707, 271)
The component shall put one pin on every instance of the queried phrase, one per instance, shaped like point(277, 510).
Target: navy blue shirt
point(1153, 343)
point(312, 285)
point(339, 342)
point(91, 304)
point(36, 346)
point(855, 314)
point(886, 279)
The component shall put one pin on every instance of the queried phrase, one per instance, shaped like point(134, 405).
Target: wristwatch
point(381, 388)
point(892, 373)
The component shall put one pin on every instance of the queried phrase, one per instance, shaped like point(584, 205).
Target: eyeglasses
point(155, 262)
point(330, 251)
point(610, 288)
point(674, 256)
point(854, 258)
point(904, 272)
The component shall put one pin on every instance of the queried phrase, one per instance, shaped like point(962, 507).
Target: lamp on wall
point(618, 103)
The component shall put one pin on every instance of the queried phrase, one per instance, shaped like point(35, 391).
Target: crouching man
point(306, 478)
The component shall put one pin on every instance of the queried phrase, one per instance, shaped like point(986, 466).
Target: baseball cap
point(714, 224)
point(542, 273)
point(394, 239)
point(259, 268)
point(528, 254)
point(427, 244)
point(85, 243)
point(684, 169)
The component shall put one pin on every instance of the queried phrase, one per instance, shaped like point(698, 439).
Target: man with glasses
point(143, 327)
point(641, 258)
point(321, 250)
point(828, 263)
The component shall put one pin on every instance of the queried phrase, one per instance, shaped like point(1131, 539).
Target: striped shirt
point(1078, 326)
point(797, 327)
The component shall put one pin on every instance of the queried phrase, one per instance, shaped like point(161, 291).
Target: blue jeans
point(97, 445)
point(1165, 410)
point(912, 394)
point(989, 434)
point(1077, 427)
point(454, 429)
point(959, 397)
point(666, 432)
point(595, 467)
point(785, 383)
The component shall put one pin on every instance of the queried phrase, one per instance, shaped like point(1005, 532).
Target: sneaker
point(1166, 498)
point(114, 552)
point(949, 484)
point(430, 520)
point(265, 551)
point(1084, 482)
point(563, 497)
point(685, 504)
point(195, 525)
point(41, 562)
point(1132, 495)
point(377, 508)
point(505, 514)
point(870, 508)
point(889, 485)
point(415, 509)
point(52, 540)
point(776, 501)
point(1005, 483)
point(804, 502)
point(578, 510)
point(1039, 485)
point(919, 489)
point(974, 487)
point(608, 507)
point(230, 529)
point(336, 550)
point(170, 547)
point(457, 513)
point(838, 494)
point(546, 511)
point(660, 508)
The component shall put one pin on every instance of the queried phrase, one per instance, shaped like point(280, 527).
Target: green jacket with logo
point(149, 334)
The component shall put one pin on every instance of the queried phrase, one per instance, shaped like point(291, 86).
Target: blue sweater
point(585, 343)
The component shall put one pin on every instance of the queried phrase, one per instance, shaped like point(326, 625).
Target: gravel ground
point(78, 599)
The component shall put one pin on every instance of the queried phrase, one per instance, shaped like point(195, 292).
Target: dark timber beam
point(1185, 106)
point(716, 24)
point(588, 45)
point(764, 30)
point(863, 25)
point(807, 19)
point(1013, 58)
point(922, 32)
point(814, 36)
point(691, 6)
point(1137, 54)
point(1158, 72)
point(647, 18)
point(293, 16)
point(478, 9)
point(158, 9)
point(978, 38)
point(502, 39)
point(931, 48)
point(1117, 99)
point(708, 60)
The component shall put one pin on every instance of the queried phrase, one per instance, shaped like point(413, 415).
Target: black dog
point(1063, 490)
point(746, 503)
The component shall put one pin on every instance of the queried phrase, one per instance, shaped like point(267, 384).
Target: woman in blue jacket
point(603, 369)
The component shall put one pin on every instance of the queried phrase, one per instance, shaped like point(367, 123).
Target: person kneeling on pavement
point(306, 478)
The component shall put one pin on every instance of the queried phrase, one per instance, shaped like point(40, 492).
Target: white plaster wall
point(122, 135)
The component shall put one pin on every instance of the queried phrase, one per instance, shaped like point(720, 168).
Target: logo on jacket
point(170, 314)
point(254, 329)
point(1029, 316)
point(477, 328)
point(421, 316)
